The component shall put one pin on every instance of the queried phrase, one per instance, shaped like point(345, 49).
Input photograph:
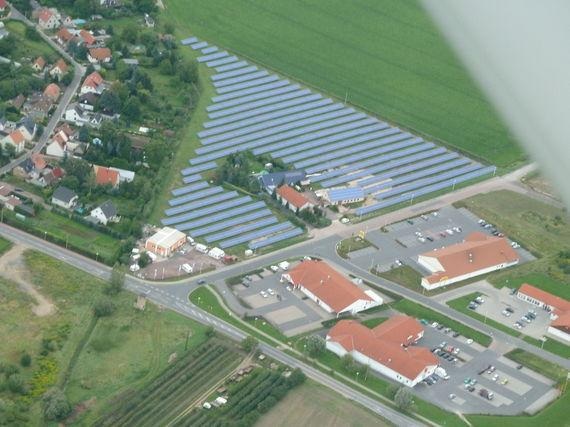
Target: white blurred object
point(517, 50)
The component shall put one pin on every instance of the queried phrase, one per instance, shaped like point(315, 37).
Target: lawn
point(27, 48)
point(531, 361)
point(312, 401)
point(5, 245)
point(538, 280)
point(420, 312)
point(346, 246)
point(122, 352)
point(383, 56)
point(405, 276)
point(373, 322)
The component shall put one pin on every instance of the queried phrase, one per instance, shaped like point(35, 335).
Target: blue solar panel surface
point(267, 95)
point(189, 188)
point(248, 84)
point(239, 79)
point(210, 49)
point(276, 238)
point(191, 178)
point(188, 41)
point(233, 73)
point(241, 219)
point(232, 66)
point(216, 198)
point(196, 169)
point(255, 235)
point(250, 91)
point(199, 45)
point(222, 61)
point(195, 196)
point(220, 216)
point(213, 56)
point(199, 213)
point(241, 230)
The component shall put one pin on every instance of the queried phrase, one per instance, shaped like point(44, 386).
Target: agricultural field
point(171, 395)
point(91, 361)
point(385, 57)
point(314, 402)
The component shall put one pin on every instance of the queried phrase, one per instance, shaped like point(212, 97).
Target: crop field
point(383, 56)
point(175, 389)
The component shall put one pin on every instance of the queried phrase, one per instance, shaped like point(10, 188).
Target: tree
point(296, 378)
point(132, 109)
point(130, 34)
point(348, 363)
point(315, 345)
point(403, 399)
point(103, 308)
point(32, 34)
point(188, 72)
point(249, 343)
point(16, 384)
point(110, 102)
point(26, 360)
point(210, 331)
point(55, 405)
point(144, 260)
point(117, 281)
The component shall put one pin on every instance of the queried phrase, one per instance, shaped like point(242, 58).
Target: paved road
point(179, 303)
point(78, 72)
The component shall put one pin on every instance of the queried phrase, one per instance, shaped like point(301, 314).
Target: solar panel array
point(337, 146)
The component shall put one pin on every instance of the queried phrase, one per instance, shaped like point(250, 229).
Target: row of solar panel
point(188, 41)
point(250, 91)
point(210, 219)
point(195, 169)
point(232, 66)
point(222, 61)
point(234, 73)
point(224, 244)
point(195, 196)
point(275, 239)
point(199, 213)
point(199, 45)
point(189, 188)
point(201, 203)
point(424, 191)
point(241, 229)
point(212, 56)
point(253, 97)
point(210, 49)
point(239, 79)
point(191, 178)
point(241, 219)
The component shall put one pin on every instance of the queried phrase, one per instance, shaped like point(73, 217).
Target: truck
point(440, 372)
point(486, 394)
point(201, 248)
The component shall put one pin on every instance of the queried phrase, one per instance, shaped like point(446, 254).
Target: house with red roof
point(98, 55)
point(15, 139)
point(478, 254)
point(39, 64)
point(52, 91)
point(3, 6)
point(48, 20)
point(389, 349)
point(59, 69)
point(93, 83)
point(291, 197)
point(87, 38)
point(106, 176)
point(558, 308)
point(330, 289)
point(64, 36)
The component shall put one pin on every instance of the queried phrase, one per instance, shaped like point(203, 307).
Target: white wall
point(431, 286)
point(558, 334)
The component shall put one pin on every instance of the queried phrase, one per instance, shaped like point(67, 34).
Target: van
point(187, 268)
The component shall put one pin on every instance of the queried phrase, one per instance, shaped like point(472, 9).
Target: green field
point(531, 361)
point(384, 56)
point(5, 245)
point(538, 280)
point(26, 48)
point(346, 246)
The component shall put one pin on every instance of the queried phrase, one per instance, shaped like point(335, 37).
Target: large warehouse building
point(330, 289)
point(165, 241)
point(478, 254)
point(387, 349)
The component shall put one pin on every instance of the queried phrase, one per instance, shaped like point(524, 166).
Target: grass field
point(538, 280)
point(27, 48)
point(311, 402)
point(384, 56)
point(531, 361)
point(5, 245)
point(346, 246)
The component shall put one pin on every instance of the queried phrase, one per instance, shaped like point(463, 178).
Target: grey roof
point(276, 179)
point(28, 123)
point(109, 209)
point(64, 194)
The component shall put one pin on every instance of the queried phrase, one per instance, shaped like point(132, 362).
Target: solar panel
point(274, 123)
point(210, 49)
point(199, 213)
point(426, 190)
point(238, 72)
point(427, 181)
point(333, 153)
point(419, 174)
point(410, 168)
point(281, 136)
point(223, 61)
point(248, 84)
point(240, 230)
point(254, 235)
point(201, 168)
point(345, 139)
point(265, 117)
point(309, 140)
point(189, 188)
point(243, 77)
point(230, 223)
point(232, 66)
point(195, 196)
point(191, 178)
point(198, 45)
point(198, 203)
point(276, 238)
point(382, 163)
point(188, 41)
point(245, 99)
point(250, 91)
point(213, 56)
point(288, 92)
point(367, 154)
point(210, 219)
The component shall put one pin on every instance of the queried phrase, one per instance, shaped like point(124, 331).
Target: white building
point(105, 213)
point(389, 349)
point(165, 241)
point(216, 253)
point(330, 289)
point(64, 197)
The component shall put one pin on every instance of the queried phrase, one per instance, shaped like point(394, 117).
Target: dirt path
point(12, 267)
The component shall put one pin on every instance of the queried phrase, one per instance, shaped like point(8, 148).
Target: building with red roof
point(296, 201)
point(559, 309)
point(388, 349)
point(329, 289)
point(478, 254)
point(106, 176)
point(59, 69)
point(87, 38)
point(15, 139)
point(48, 20)
point(93, 83)
point(52, 91)
point(64, 36)
point(39, 64)
point(99, 54)
point(3, 5)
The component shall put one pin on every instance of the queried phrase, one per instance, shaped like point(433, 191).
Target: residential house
point(87, 38)
point(28, 128)
point(112, 176)
point(16, 139)
point(330, 289)
point(478, 254)
point(148, 20)
point(3, 31)
point(12, 203)
point(64, 197)
point(48, 20)
point(59, 69)
point(18, 102)
point(3, 6)
point(292, 198)
point(389, 349)
point(52, 91)
point(64, 36)
point(93, 83)
point(270, 181)
point(88, 101)
point(75, 115)
point(58, 146)
point(37, 106)
point(99, 55)
point(5, 191)
point(39, 64)
point(105, 213)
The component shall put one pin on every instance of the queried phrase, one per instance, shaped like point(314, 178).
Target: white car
point(449, 231)
point(456, 351)
point(274, 268)
point(506, 313)
point(434, 325)
point(515, 245)
point(289, 288)
point(398, 263)
point(417, 233)
point(469, 341)
point(422, 239)
point(495, 377)
point(457, 229)
point(344, 220)
point(270, 291)
point(263, 294)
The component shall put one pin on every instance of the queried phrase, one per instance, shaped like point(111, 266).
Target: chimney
point(470, 257)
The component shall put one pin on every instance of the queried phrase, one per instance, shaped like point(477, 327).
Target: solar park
point(337, 146)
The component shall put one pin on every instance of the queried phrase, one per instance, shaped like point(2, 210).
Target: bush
point(25, 360)
point(403, 399)
point(15, 384)
point(103, 308)
point(315, 345)
point(249, 343)
point(55, 405)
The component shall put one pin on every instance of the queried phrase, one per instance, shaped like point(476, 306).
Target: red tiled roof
point(45, 15)
point(57, 172)
point(93, 80)
point(477, 252)
point(39, 161)
point(327, 284)
point(387, 344)
point(560, 304)
point(292, 196)
point(64, 35)
point(62, 65)
point(100, 53)
point(52, 90)
point(87, 37)
point(17, 137)
point(40, 62)
point(3, 4)
point(5, 190)
point(104, 176)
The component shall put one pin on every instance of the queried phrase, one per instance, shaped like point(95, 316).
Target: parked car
point(429, 238)
point(449, 231)
point(201, 281)
point(471, 388)
point(270, 291)
point(479, 300)
point(263, 294)
point(510, 310)
point(506, 313)
point(455, 334)
point(491, 369)
point(469, 341)
point(486, 394)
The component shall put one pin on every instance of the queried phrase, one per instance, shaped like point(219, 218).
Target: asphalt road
point(78, 72)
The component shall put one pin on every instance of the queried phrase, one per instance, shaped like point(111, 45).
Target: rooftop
point(166, 237)
point(560, 305)
point(292, 196)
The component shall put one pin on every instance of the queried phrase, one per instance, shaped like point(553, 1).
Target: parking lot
point(405, 240)
point(513, 388)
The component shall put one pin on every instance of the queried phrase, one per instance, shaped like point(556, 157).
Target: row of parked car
point(527, 318)
point(475, 303)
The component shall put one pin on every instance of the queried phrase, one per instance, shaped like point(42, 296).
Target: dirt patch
point(13, 267)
